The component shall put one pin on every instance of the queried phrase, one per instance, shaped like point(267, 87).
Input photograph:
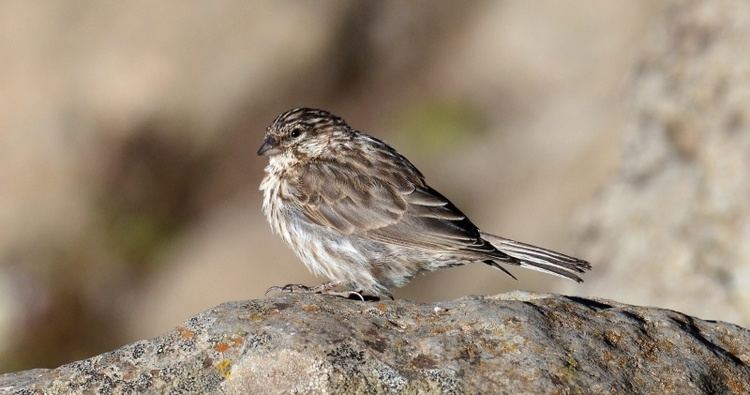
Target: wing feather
point(387, 201)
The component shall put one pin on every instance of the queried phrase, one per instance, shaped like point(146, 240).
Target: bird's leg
point(301, 288)
point(288, 288)
point(296, 288)
point(325, 288)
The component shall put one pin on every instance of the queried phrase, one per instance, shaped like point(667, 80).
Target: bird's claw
point(353, 295)
point(356, 295)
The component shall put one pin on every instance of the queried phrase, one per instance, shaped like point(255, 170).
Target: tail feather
point(499, 266)
point(540, 259)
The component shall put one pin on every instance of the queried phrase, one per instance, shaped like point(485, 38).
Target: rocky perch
point(511, 343)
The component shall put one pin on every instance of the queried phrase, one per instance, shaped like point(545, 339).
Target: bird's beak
point(269, 147)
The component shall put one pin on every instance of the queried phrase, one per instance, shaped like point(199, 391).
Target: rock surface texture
point(510, 343)
point(672, 225)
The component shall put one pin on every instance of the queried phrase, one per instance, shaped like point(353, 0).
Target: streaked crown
point(311, 118)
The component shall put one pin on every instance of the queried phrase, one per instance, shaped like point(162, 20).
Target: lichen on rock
point(511, 343)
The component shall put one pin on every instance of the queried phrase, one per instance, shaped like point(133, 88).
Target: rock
point(672, 226)
point(510, 343)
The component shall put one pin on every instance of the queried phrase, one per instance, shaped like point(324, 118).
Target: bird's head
point(301, 132)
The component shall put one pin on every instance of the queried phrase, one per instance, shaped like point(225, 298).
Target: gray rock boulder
point(510, 343)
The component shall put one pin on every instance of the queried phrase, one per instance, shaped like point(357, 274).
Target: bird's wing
point(387, 200)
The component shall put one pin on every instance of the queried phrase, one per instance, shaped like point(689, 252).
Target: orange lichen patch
point(233, 341)
point(311, 308)
point(382, 307)
point(649, 349)
point(128, 375)
point(221, 347)
point(440, 330)
point(612, 337)
point(237, 340)
point(737, 386)
point(470, 353)
point(225, 368)
point(731, 345)
point(186, 333)
point(666, 345)
point(509, 348)
point(256, 317)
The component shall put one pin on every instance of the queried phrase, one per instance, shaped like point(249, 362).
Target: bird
point(360, 214)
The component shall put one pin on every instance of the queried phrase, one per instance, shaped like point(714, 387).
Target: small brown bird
point(359, 213)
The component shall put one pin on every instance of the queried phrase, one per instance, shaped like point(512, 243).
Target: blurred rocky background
point(616, 131)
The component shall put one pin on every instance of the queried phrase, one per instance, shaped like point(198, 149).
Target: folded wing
point(385, 198)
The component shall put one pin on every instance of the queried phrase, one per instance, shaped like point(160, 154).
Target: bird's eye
point(295, 132)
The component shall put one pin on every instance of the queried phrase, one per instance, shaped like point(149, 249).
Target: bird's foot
point(353, 295)
point(301, 288)
point(328, 288)
point(291, 288)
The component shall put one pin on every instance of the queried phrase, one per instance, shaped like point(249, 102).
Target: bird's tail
point(541, 259)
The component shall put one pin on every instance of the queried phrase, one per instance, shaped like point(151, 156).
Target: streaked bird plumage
point(357, 212)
